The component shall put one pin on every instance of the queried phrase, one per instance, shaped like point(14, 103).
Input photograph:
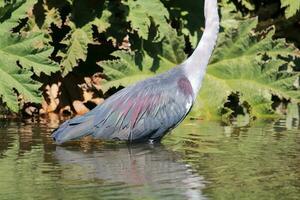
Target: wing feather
point(142, 113)
point(146, 110)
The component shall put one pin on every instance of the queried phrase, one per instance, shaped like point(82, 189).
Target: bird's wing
point(143, 112)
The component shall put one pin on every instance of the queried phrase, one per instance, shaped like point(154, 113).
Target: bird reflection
point(142, 169)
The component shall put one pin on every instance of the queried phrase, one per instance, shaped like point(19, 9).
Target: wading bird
point(147, 110)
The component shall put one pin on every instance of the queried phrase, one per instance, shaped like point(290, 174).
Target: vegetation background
point(67, 56)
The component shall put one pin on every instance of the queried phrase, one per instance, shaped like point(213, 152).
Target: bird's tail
point(73, 129)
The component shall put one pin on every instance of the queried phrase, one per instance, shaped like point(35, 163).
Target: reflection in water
point(260, 161)
point(5, 138)
point(142, 170)
point(256, 161)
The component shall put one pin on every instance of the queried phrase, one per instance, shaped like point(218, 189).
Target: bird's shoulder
point(167, 83)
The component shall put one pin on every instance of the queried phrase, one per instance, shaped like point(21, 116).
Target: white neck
point(195, 66)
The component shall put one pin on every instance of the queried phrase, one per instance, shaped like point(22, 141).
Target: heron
point(147, 110)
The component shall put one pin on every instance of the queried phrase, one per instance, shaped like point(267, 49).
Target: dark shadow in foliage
point(112, 91)
point(264, 8)
point(90, 105)
point(95, 54)
point(297, 64)
point(188, 11)
point(63, 7)
point(22, 24)
point(139, 56)
point(153, 49)
point(288, 29)
point(270, 13)
point(235, 106)
point(5, 12)
point(58, 35)
point(84, 11)
point(119, 26)
point(39, 13)
point(279, 102)
point(188, 15)
point(69, 89)
point(30, 110)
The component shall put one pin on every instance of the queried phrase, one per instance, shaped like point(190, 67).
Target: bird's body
point(147, 110)
point(141, 112)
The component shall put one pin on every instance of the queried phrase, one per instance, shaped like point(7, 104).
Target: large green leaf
point(30, 49)
point(77, 44)
point(143, 13)
point(14, 50)
point(81, 35)
point(22, 56)
point(244, 64)
point(292, 7)
point(18, 10)
point(125, 71)
point(131, 67)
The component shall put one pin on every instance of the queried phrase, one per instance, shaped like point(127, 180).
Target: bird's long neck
point(195, 66)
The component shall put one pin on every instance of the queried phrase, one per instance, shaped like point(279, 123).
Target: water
point(199, 160)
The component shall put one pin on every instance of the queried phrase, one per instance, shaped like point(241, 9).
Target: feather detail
point(137, 113)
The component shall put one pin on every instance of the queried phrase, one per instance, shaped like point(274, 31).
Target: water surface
point(199, 160)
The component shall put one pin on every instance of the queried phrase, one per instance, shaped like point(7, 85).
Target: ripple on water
point(199, 160)
point(141, 170)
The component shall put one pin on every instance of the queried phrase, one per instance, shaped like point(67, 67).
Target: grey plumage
point(144, 111)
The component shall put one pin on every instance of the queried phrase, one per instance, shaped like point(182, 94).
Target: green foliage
point(6, 8)
point(83, 18)
point(143, 14)
point(102, 23)
point(77, 44)
point(133, 40)
point(248, 4)
point(252, 67)
point(292, 7)
point(21, 57)
point(12, 12)
point(131, 67)
point(125, 71)
point(52, 16)
point(242, 63)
